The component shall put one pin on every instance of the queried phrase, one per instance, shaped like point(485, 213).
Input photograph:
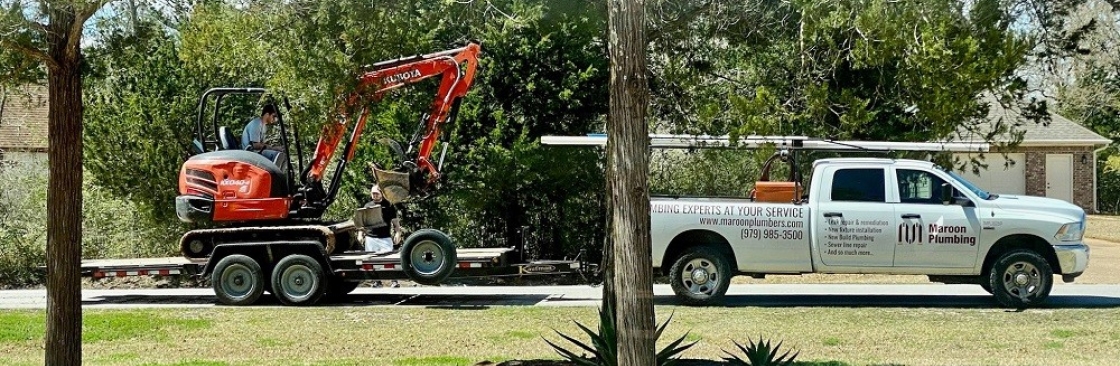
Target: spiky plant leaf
point(570, 356)
point(761, 354)
point(603, 345)
point(578, 343)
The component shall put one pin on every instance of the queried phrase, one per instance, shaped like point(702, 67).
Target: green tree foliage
point(140, 116)
point(1085, 81)
point(867, 69)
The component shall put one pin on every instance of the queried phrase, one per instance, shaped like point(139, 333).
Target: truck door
point(854, 224)
point(931, 233)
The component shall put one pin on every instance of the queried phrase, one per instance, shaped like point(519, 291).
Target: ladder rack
point(667, 141)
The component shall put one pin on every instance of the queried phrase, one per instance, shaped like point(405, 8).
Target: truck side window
point(916, 186)
point(863, 185)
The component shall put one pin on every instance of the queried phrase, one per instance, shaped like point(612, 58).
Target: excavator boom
point(456, 68)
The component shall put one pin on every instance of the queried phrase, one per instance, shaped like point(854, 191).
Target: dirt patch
point(1103, 227)
point(1104, 262)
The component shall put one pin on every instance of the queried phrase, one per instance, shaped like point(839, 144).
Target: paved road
point(777, 295)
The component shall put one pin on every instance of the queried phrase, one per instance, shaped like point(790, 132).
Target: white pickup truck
point(866, 215)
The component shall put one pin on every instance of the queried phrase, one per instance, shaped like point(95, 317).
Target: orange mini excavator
point(226, 183)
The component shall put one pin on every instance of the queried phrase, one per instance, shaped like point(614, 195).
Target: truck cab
point(873, 215)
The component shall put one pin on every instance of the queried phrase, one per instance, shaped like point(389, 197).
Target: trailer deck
point(353, 266)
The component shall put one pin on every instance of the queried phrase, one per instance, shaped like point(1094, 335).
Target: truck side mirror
point(946, 193)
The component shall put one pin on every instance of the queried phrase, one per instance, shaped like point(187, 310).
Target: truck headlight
point(1069, 232)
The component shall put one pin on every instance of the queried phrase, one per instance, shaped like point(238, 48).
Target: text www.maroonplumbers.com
point(753, 222)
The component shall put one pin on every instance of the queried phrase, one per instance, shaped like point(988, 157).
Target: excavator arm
point(456, 68)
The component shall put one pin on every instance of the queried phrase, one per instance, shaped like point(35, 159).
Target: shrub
point(112, 227)
point(604, 344)
point(760, 354)
point(1108, 182)
point(23, 198)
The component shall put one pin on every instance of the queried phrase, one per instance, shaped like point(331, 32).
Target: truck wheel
point(428, 257)
point(701, 276)
point(238, 280)
point(298, 280)
point(1020, 279)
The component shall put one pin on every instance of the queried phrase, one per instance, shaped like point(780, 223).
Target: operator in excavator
point(253, 138)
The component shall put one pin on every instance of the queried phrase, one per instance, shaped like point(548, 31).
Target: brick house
point(1055, 160)
point(23, 123)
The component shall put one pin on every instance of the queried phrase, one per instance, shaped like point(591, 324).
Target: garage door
point(997, 178)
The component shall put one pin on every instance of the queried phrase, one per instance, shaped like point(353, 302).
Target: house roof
point(1059, 131)
point(23, 118)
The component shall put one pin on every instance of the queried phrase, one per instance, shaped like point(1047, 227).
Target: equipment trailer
point(301, 272)
point(264, 204)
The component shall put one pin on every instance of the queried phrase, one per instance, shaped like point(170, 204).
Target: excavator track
point(200, 243)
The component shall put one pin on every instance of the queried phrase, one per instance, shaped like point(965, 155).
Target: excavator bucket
point(394, 185)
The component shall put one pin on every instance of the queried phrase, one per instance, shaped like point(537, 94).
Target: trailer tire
point(298, 280)
point(701, 276)
point(238, 280)
point(1020, 279)
point(428, 257)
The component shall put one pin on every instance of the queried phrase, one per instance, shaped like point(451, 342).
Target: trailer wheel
point(298, 280)
point(428, 257)
point(238, 280)
point(700, 276)
point(1020, 279)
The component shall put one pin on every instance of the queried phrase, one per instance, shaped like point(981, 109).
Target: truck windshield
point(972, 187)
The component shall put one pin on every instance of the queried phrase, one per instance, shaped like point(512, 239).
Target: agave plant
point(760, 354)
point(604, 344)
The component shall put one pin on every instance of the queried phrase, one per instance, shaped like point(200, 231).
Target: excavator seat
point(228, 140)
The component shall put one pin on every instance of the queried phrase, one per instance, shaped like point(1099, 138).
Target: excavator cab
point(220, 169)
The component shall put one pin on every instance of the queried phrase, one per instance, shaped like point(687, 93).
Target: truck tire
point(238, 280)
point(428, 257)
point(701, 276)
point(1020, 279)
point(298, 280)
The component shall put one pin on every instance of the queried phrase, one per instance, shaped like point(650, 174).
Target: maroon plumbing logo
point(910, 233)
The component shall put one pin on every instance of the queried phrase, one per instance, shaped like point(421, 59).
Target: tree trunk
point(628, 175)
point(64, 196)
point(608, 249)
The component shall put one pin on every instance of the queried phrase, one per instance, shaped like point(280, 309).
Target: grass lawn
point(419, 336)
